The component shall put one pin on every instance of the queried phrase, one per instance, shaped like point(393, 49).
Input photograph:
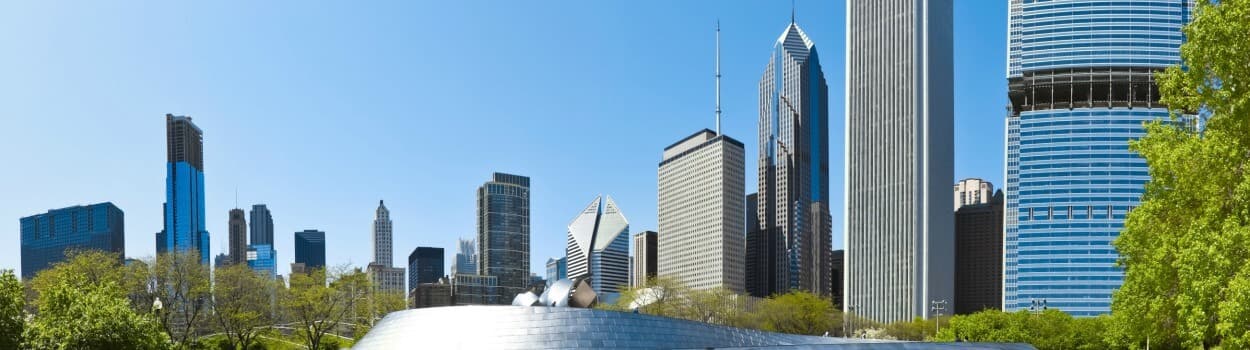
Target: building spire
point(791, 11)
point(718, 77)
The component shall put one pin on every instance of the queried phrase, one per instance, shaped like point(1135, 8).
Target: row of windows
point(1069, 278)
point(1081, 190)
point(1118, 19)
point(1082, 165)
point(1067, 252)
point(1093, 113)
point(1103, 61)
point(1085, 173)
point(1081, 131)
point(1115, 37)
point(1049, 235)
point(1099, 243)
point(1133, 122)
point(1110, 261)
point(1116, 140)
point(1082, 182)
point(1145, 28)
point(1081, 156)
point(1117, 12)
point(1083, 53)
point(1067, 269)
point(1074, 5)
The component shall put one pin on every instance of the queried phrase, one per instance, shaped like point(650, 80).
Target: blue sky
point(321, 109)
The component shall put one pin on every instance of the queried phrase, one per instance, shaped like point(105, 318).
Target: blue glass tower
point(263, 259)
point(46, 237)
point(184, 190)
point(1081, 84)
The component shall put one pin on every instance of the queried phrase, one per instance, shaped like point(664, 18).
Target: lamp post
point(1038, 306)
point(937, 306)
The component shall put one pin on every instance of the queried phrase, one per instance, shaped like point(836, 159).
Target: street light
point(937, 306)
point(1038, 306)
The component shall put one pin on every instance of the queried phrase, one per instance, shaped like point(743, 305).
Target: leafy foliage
point(12, 313)
point(318, 309)
point(82, 305)
point(796, 312)
point(1051, 329)
point(242, 303)
point(1187, 269)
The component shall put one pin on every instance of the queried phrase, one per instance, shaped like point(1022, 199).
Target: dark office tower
point(644, 257)
point(839, 270)
point(760, 251)
point(184, 190)
point(45, 237)
point(503, 232)
point(793, 195)
point(425, 265)
point(310, 249)
point(262, 225)
point(238, 237)
point(899, 228)
point(979, 256)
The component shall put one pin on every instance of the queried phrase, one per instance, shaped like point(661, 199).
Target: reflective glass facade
point(310, 248)
point(425, 265)
point(557, 269)
point(45, 237)
point(1081, 87)
point(184, 190)
point(522, 327)
point(263, 259)
point(503, 232)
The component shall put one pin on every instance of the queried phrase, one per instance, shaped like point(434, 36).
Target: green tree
point(660, 296)
point(1187, 277)
point(182, 285)
point(12, 310)
point(242, 307)
point(317, 309)
point(1051, 329)
point(81, 304)
point(797, 312)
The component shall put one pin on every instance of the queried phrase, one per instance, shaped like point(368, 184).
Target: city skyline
point(227, 145)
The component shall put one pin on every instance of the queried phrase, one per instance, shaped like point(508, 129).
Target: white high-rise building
point(899, 222)
point(973, 191)
point(598, 246)
point(382, 236)
point(702, 212)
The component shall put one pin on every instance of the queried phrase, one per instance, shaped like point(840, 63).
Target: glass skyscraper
point(1081, 84)
point(45, 237)
point(793, 209)
point(503, 232)
point(425, 265)
point(310, 248)
point(184, 190)
point(466, 258)
point(263, 259)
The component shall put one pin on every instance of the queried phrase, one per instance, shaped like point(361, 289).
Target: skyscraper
point(979, 256)
point(238, 237)
point(466, 258)
point(503, 232)
point(262, 225)
point(598, 246)
point(425, 265)
point(557, 269)
point(184, 190)
point(263, 258)
point(761, 252)
point(382, 253)
point(46, 237)
point(310, 249)
point(1080, 78)
point(899, 162)
point(972, 191)
point(644, 258)
point(701, 194)
point(793, 208)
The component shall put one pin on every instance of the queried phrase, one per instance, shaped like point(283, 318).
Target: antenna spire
point(791, 11)
point(718, 77)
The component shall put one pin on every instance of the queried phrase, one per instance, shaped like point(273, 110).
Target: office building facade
point(382, 236)
point(793, 208)
point(469, 289)
point(238, 237)
point(702, 181)
point(310, 249)
point(387, 279)
point(425, 265)
point(761, 252)
point(899, 223)
point(263, 259)
point(466, 258)
point(972, 191)
point(979, 256)
point(598, 246)
point(434, 294)
point(46, 237)
point(644, 259)
point(262, 225)
point(1081, 82)
point(557, 269)
point(503, 232)
point(838, 292)
point(184, 190)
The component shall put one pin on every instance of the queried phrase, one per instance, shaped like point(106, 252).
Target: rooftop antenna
point(236, 197)
point(718, 77)
point(791, 11)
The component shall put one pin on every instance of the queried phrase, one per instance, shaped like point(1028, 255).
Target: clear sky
point(321, 109)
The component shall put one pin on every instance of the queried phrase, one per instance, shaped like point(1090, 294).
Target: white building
point(598, 246)
point(702, 212)
point(382, 236)
point(973, 191)
point(899, 225)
